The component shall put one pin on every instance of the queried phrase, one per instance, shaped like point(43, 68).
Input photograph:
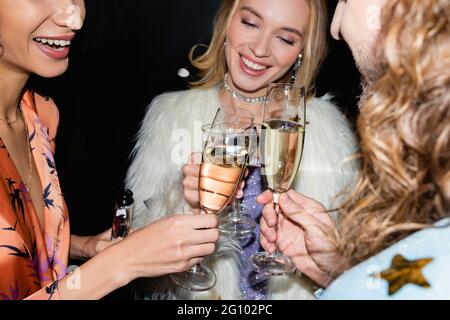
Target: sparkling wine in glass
point(223, 164)
point(282, 141)
point(236, 224)
point(220, 172)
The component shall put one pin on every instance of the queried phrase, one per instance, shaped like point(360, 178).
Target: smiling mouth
point(253, 65)
point(53, 44)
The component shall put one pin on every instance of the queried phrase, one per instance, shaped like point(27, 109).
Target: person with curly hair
point(394, 227)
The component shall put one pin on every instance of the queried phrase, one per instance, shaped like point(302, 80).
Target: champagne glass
point(223, 164)
point(236, 224)
point(282, 140)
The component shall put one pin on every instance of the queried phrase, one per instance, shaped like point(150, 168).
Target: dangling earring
point(295, 68)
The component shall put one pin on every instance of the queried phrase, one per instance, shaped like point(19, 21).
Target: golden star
point(403, 271)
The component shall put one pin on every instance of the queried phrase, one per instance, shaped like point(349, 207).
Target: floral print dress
point(32, 260)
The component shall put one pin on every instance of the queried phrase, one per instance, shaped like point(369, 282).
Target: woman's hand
point(84, 248)
point(169, 245)
point(303, 233)
point(191, 173)
point(95, 244)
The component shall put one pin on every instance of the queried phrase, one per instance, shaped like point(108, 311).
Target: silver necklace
point(239, 96)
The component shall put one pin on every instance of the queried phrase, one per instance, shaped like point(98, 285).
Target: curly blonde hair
point(212, 64)
point(404, 128)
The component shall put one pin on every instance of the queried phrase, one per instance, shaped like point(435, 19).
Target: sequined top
point(252, 290)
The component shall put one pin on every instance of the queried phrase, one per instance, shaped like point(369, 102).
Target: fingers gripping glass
point(223, 164)
point(235, 223)
point(282, 141)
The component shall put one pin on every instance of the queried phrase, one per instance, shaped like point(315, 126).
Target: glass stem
point(276, 197)
point(235, 215)
point(195, 267)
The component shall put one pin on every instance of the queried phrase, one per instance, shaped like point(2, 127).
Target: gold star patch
point(403, 271)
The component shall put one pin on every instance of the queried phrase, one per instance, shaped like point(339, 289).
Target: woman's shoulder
point(325, 107)
point(330, 137)
point(45, 109)
point(327, 117)
point(181, 106)
point(180, 98)
point(42, 105)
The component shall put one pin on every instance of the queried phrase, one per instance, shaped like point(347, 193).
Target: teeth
point(252, 65)
point(51, 42)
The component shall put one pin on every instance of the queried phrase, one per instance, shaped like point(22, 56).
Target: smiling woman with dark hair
point(35, 240)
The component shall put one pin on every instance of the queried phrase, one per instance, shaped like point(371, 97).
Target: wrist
point(85, 248)
point(101, 275)
point(125, 272)
point(78, 247)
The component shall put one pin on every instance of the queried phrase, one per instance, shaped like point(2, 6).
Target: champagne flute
point(282, 140)
point(223, 164)
point(236, 224)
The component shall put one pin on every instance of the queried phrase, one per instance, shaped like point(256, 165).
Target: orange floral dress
point(32, 260)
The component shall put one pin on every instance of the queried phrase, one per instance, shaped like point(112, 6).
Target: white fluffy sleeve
point(152, 176)
point(328, 166)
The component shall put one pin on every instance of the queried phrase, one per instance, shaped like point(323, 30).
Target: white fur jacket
point(171, 131)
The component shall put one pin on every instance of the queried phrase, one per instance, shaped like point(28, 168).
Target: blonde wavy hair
point(404, 128)
point(212, 65)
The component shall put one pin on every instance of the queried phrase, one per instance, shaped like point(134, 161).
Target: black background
point(128, 52)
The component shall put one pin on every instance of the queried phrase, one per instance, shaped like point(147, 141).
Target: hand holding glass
point(282, 139)
point(236, 224)
point(223, 163)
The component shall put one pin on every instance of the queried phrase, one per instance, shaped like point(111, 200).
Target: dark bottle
point(122, 216)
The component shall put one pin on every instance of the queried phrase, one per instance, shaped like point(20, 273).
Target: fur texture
point(171, 131)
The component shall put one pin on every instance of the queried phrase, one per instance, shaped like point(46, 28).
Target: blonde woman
point(404, 186)
point(255, 43)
